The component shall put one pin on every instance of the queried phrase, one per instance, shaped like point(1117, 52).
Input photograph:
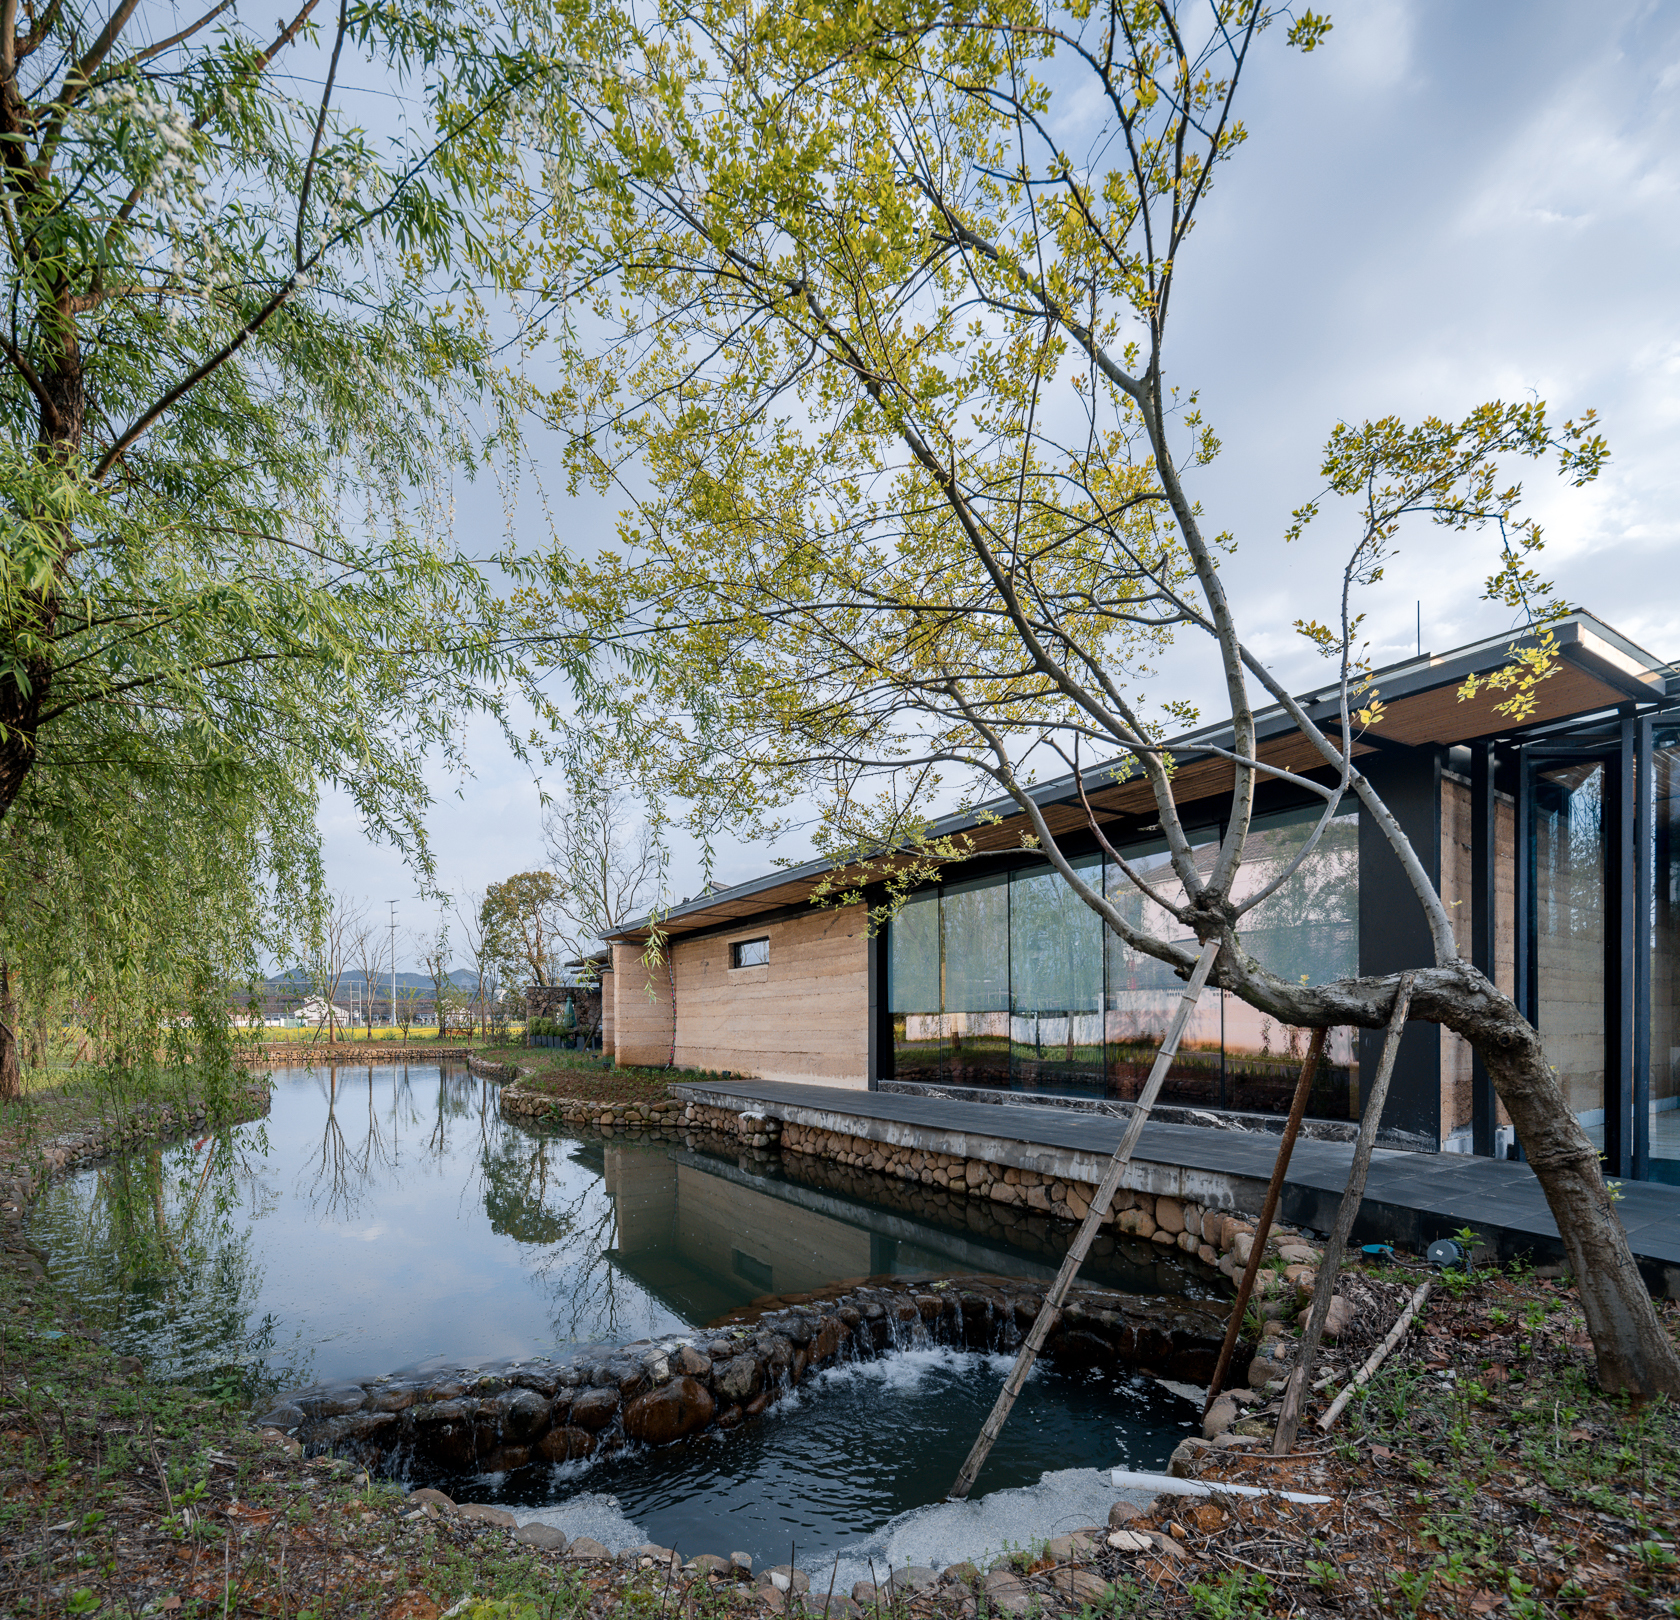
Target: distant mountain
point(295, 979)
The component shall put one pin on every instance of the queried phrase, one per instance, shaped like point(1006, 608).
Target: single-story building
point(1556, 844)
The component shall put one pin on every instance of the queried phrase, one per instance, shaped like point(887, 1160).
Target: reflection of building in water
point(704, 1235)
point(704, 1244)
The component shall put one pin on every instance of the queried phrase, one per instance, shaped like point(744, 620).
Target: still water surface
point(384, 1217)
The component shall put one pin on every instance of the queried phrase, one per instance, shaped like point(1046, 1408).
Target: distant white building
point(312, 1014)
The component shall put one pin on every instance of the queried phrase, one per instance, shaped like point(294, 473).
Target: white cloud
point(1444, 204)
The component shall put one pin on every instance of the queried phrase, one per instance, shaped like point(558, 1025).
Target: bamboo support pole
point(1324, 1284)
point(1379, 1355)
point(1263, 1227)
point(1050, 1311)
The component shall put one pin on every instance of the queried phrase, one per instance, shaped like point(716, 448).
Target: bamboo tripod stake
point(1263, 1227)
point(1050, 1311)
point(1324, 1284)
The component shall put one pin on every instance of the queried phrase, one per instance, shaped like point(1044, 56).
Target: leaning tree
point(885, 299)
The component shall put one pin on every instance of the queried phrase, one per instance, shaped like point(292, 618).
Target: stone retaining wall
point(530, 1102)
point(1216, 1237)
point(274, 1053)
point(487, 1070)
point(503, 1417)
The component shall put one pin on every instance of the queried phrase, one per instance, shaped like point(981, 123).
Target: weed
point(1232, 1597)
point(1412, 1586)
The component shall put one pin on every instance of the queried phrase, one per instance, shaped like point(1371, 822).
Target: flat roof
point(1600, 670)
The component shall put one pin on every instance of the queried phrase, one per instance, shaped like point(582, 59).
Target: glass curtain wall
point(1665, 962)
point(1056, 952)
point(975, 939)
point(1012, 982)
point(1307, 930)
point(913, 988)
point(1570, 869)
point(1142, 994)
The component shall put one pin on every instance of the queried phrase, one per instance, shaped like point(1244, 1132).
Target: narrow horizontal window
point(750, 953)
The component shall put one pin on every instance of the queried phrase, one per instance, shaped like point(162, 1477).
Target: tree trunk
point(11, 1065)
point(1634, 1353)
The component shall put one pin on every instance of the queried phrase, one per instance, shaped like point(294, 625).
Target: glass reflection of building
point(1010, 981)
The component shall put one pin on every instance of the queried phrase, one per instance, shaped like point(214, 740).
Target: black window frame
point(737, 946)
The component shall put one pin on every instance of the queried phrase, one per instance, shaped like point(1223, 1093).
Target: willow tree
point(244, 362)
point(890, 293)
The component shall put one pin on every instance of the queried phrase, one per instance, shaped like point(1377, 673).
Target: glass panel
point(1665, 966)
point(1569, 876)
point(1142, 994)
point(1056, 948)
point(913, 988)
point(1308, 930)
point(974, 929)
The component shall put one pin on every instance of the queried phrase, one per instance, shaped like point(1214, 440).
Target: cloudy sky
point(1445, 204)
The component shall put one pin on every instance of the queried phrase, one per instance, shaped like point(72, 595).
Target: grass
point(1496, 1474)
point(585, 1075)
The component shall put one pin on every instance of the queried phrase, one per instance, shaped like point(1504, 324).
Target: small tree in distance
point(607, 863)
point(433, 948)
point(333, 947)
point(518, 923)
point(922, 496)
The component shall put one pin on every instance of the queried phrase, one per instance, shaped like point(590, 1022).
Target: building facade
point(1555, 844)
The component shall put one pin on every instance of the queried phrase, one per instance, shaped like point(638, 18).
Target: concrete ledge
point(1213, 1188)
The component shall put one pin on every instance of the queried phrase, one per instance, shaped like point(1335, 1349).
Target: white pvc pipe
point(1126, 1480)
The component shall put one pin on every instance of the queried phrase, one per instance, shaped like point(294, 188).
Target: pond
point(383, 1218)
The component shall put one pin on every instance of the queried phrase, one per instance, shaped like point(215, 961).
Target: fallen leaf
point(1486, 1602)
point(413, 1606)
point(170, 1604)
point(1381, 1451)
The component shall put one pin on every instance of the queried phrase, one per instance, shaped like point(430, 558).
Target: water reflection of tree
point(520, 1178)
point(170, 1264)
point(169, 1238)
point(575, 1232)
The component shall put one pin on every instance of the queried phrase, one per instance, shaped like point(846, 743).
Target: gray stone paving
point(1410, 1198)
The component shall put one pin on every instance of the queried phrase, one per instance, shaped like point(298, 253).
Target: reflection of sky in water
point(374, 1219)
point(379, 1218)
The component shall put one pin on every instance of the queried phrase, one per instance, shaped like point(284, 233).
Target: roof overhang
point(1598, 670)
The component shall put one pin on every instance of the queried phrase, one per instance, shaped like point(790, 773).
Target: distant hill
point(295, 979)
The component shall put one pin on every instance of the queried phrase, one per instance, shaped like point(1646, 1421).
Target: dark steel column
point(1394, 931)
point(1484, 867)
point(1618, 955)
point(876, 948)
point(1644, 859)
point(1526, 977)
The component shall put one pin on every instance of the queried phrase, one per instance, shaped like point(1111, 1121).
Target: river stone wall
point(1212, 1236)
point(502, 1417)
point(350, 1054)
point(663, 1118)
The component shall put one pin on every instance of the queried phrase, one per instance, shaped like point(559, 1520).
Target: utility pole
point(393, 905)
